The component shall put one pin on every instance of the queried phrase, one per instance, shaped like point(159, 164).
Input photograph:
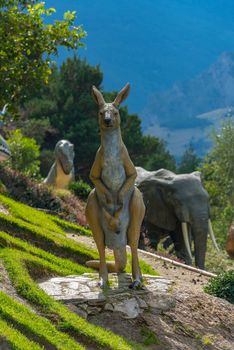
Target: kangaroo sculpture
point(115, 208)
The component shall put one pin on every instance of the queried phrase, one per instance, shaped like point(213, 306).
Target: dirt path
point(197, 322)
point(183, 278)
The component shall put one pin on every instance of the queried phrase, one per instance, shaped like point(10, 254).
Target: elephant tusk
point(212, 236)
point(186, 238)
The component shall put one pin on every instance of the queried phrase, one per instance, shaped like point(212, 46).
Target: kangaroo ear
point(97, 95)
point(122, 95)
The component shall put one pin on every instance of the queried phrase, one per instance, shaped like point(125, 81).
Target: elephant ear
point(158, 211)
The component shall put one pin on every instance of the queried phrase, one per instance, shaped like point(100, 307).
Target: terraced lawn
point(34, 245)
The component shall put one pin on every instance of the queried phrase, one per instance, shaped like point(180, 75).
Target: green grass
point(150, 338)
point(36, 325)
point(41, 219)
point(16, 265)
point(15, 338)
point(33, 245)
point(48, 240)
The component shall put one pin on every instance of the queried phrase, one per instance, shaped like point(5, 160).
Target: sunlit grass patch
point(37, 325)
point(15, 338)
point(34, 245)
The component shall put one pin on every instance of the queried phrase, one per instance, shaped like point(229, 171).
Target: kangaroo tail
point(120, 259)
point(118, 265)
point(94, 264)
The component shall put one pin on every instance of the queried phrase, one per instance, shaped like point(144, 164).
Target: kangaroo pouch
point(116, 238)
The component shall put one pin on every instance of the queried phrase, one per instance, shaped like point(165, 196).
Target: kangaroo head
point(108, 112)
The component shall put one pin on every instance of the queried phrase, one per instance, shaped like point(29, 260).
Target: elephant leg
point(92, 213)
point(137, 212)
point(153, 235)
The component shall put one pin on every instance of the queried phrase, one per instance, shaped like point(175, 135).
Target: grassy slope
point(33, 243)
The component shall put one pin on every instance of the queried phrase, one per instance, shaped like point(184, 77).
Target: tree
point(27, 44)
point(67, 102)
point(189, 161)
point(24, 154)
point(218, 172)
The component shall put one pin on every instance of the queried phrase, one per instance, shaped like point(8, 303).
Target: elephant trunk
point(200, 234)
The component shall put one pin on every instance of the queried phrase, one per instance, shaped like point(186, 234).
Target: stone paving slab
point(85, 287)
point(83, 295)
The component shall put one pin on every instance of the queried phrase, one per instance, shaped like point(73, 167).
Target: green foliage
point(150, 338)
point(189, 161)
point(222, 286)
point(217, 262)
point(28, 45)
point(25, 153)
point(218, 170)
point(68, 104)
point(46, 161)
point(80, 188)
point(35, 128)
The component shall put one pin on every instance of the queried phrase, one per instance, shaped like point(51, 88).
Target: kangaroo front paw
point(136, 285)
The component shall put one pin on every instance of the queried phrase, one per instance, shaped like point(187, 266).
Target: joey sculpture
point(115, 208)
point(62, 171)
point(177, 205)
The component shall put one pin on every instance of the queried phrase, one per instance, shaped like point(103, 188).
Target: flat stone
point(77, 310)
point(89, 299)
point(93, 310)
point(109, 307)
point(129, 308)
point(142, 303)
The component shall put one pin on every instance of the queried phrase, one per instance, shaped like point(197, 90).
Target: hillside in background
point(151, 43)
point(189, 110)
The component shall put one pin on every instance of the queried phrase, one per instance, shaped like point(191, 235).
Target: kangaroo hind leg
point(137, 212)
point(92, 213)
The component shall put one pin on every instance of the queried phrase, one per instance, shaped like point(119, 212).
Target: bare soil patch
point(198, 321)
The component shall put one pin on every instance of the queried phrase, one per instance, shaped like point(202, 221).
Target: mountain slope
point(178, 107)
point(187, 112)
point(151, 43)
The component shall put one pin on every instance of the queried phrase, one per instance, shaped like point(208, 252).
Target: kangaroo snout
point(107, 119)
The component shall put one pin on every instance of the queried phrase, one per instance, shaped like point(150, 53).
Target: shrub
point(25, 153)
point(80, 188)
point(46, 159)
point(222, 286)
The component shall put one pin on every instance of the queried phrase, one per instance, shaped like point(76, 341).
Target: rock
point(88, 298)
point(129, 307)
point(78, 310)
point(109, 307)
point(142, 303)
point(161, 302)
point(92, 310)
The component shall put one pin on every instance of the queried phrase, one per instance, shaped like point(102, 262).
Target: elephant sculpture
point(177, 206)
point(62, 171)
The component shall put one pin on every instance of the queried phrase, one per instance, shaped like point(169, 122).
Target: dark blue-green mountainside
point(155, 44)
